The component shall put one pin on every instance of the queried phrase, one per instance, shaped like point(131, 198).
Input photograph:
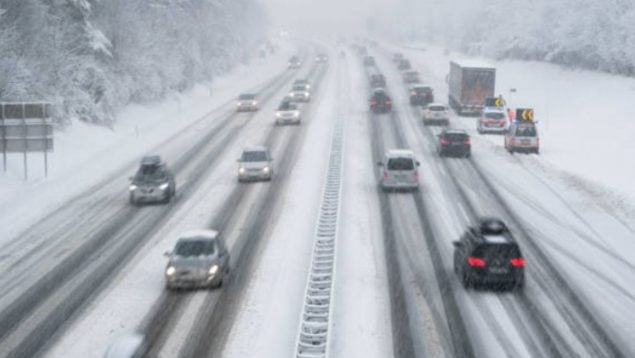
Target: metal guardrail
point(316, 312)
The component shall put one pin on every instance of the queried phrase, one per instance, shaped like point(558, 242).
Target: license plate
point(498, 270)
point(525, 142)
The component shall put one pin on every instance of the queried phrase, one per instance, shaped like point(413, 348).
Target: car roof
point(400, 153)
point(256, 148)
point(151, 160)
point(436, 104)
point(420, 86)
point(301, 80)
point(203, 234)
point(379, 90)
point(454, 131)
point(493, 109)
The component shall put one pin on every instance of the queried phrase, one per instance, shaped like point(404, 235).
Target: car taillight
point(467, 141)
point(388, 101)
point(512, 141)
point(413, 93)
point(444, 141)
point(475, 262)
point(372, 103)
point(445, 113)
point(517, 262)
point(415, 176)
point(385, 175)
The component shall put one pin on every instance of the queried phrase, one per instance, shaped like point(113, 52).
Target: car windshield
point(494, 115)
point(254, 156)
point(287, 106)
point(456, 137)
point(189, 248)
point(436, 108)
point(150, 173)
point(401, 164)
point(299, 88)
point(493, 251)
point(526, 131)
point(246, 96)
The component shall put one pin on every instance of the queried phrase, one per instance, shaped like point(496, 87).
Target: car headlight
point(266, 169)
point(306, 94)
point(164, 186)
point(278, 114)
point(241, 170)
point(296, 115)
point(170, 271)
point(132, 187)
point(254, 103)
point(213, 270)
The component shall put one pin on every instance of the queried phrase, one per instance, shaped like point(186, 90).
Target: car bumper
point(287, 120)
point(193, 281)
point(492, 129)
point(513, 277)
point(388, 185)
point(455, 150)
point(436, 121)
point(153, 196)
point(255, 175)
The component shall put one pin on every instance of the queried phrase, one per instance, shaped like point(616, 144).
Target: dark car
point(454, 142)
point(294, 63)
point(487, 254)
point(153, 182)
point(397, 56)
point(421, 95)
point(377, 80)
point(404, 64)
point(369, 61)
point(380, 102)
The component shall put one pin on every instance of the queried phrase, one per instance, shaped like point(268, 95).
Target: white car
point(246, 102)
point(492, 120)
point(299, 93)
point(399, 170)
point(288, 113)
point(255, 163)
point(436, 113)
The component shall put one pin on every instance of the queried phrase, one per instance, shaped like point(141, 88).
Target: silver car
point(399, 170)
point(153, 182)
point(199, 259)
point(299, 93)
point(288, 113)
point(255, 163)
point(436, 113)
point(246, 102)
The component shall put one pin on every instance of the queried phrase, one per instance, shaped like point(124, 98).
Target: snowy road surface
point(84, 267)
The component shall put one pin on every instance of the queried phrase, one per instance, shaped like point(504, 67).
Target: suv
point(454, 142)
point(153, 182)
point(380, 102)
point(288, 112)
point(492, 120)
point(246, 102)
point(436, 113)
point(255, 163)
point(522, 137)
point(199, 259)
point(488, 254)
point(399, 170)
point(421, 95)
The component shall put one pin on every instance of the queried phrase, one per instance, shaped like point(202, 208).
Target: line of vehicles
point(487, 253)
point(200, 258)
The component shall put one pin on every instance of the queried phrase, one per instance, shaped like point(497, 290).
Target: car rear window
point(523, 131)
point(401, 164)
point(456, 137)
point(436, 108)
point(189, 248)
point(490, 251)
point(254, 156)
point(494, 115)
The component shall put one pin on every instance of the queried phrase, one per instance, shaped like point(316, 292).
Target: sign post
point(26, 127)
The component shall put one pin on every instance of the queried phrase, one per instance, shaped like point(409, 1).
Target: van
point(399, 170)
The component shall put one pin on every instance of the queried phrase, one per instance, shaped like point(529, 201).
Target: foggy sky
point(327, 17)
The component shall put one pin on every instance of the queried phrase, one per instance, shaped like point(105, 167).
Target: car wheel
point(132, 200)
point(465, 280)
point(468, 154)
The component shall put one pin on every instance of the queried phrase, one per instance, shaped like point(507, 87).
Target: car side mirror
point(380, 164)
point(167, 254)
point(418, 163)
point(456, 243)
point(130, 178)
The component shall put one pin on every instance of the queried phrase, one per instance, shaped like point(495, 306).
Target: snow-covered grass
point(84, 154)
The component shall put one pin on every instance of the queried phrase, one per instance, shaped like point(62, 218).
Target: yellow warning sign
point(525, 114)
